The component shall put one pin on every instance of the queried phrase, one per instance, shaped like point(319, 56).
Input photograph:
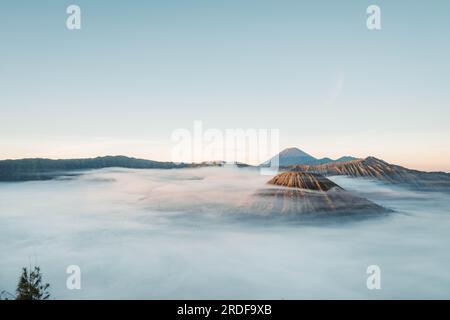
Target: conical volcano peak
point(309, 193)
point(303, 180)
point(295, 156)
point(294, 152)
point(291, 156)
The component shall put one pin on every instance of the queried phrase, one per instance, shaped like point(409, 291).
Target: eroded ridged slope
point(303, 180)
point(371, 167)
point(308, 193)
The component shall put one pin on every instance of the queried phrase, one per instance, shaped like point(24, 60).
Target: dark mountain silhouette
point(295, 156)
point(46, 169)
point(372, 167)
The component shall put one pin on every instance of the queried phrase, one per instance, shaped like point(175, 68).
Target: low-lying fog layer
point(157, 234)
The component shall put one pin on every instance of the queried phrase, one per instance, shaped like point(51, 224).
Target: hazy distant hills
point(295, 156)
point(292, 159)
point(372, 167)
point(45, 169)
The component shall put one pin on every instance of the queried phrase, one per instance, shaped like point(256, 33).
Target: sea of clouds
point(159, 234)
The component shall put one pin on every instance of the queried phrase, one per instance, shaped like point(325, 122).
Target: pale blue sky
point(138, 70)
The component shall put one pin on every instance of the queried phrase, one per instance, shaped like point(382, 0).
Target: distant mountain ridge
point(294, 156)
point(372, 167)
point(46, 169)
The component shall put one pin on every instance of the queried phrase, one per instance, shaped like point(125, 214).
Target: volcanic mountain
point(295, 156)
point(300, 193)
point(374, 168)
point(301, 180)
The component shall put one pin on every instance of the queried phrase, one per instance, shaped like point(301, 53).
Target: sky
point(139, 70)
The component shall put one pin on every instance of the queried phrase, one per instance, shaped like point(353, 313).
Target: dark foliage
point(31, 287)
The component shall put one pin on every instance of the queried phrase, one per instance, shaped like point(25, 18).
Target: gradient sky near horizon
point(138, 70)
